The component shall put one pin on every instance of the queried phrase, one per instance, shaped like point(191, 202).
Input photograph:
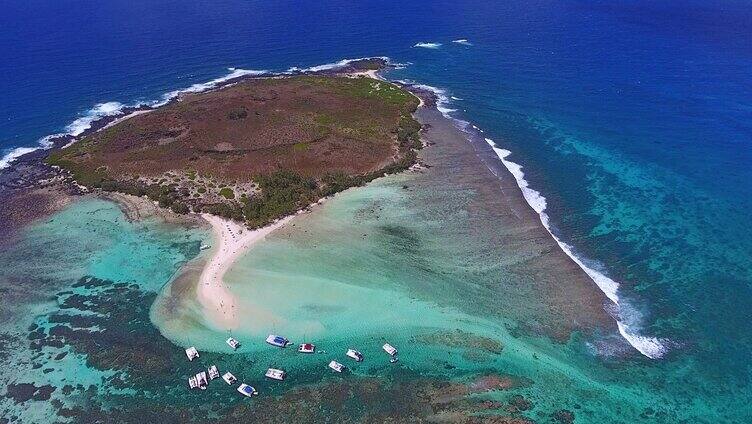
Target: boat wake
point(627, 317)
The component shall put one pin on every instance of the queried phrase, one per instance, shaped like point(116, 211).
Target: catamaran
point(247, 390)
point(191, 353)
point(306, 348)
point(278, 341)
point(229, 378)
point(336, 366)
point(213, 372)
point(391, 350)
point(233, 343)
point(275, 374)
point(201, 379)
point(354, 354)
point(193, 382)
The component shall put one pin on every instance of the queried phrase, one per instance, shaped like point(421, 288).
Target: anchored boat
point(278, 341)
point(247, 390)
point(193, 382)
point(201, 380)
point(275, 374)
point(354, 354)
point(233, 343)
point(229, 378)
point(213, 372)
point(391, 350)
point(306, 348)
point(336, 366)
point(191, 353)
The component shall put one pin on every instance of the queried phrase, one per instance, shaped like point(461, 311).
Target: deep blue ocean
point(632, 118)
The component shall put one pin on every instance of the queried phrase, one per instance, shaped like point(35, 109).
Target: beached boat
point(275, 374)
point(354, 354)
point(233, 343)
point(191, 353)
point(391, 350)
point(278, 341)
point(193, 382)
point(229, 378)
point(247, 390)
point(202, 381)
point(336, 366)
point(213, 372)
point(306, 348)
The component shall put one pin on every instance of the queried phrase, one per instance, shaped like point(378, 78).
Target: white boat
point(191, 353)
point(278, 341)
point(233, 343)
point(201, 379)
point(391, 350)
point(213, 372)
point(336, 366)
point(247, 390)
point(204, 246)
point(193, 382)
point(229, 378)
point(354, 354)
point(306, 348)
point(275, 374)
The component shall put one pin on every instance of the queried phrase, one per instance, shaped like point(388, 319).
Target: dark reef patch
point(108, 324)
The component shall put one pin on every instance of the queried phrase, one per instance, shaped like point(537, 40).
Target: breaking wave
point(108, 109)
point(427, 45)
point(627, 318)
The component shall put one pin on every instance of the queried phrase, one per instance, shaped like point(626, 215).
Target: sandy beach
point(231, 240)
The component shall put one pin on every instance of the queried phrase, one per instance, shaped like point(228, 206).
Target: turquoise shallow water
point(631, 118)
point(89, 239)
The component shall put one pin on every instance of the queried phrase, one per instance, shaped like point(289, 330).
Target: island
point(249, 155)
point(255, 150)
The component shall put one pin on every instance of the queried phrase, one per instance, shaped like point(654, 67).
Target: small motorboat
point(393, 359)
point(201, 380)
point(278, 341)
point(191, 353)
point(306, 348)
point(354, 354)
point(229, 378)
point(213, 372)
point(275, 374)
point(233, 343)
point(247, 390)
point(193, 382)
point(336, 366)
point(391, 350)
point(204, 247)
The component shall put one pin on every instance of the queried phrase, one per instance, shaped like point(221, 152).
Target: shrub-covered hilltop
point(256, 150)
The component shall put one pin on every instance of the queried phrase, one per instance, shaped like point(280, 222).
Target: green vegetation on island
point(254, 151)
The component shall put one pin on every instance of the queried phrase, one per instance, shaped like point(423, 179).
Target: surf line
point(651, 347)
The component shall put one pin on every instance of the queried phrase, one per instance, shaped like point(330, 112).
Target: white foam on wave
point(463, 41)
point(338, 65)
point(426, 45)
point(99, 111)
point(204, 86)
point(13, 154)
point(102, 110)
point(442, 100)
point(628, 318)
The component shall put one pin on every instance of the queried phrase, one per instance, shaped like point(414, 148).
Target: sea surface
point(629, 124)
